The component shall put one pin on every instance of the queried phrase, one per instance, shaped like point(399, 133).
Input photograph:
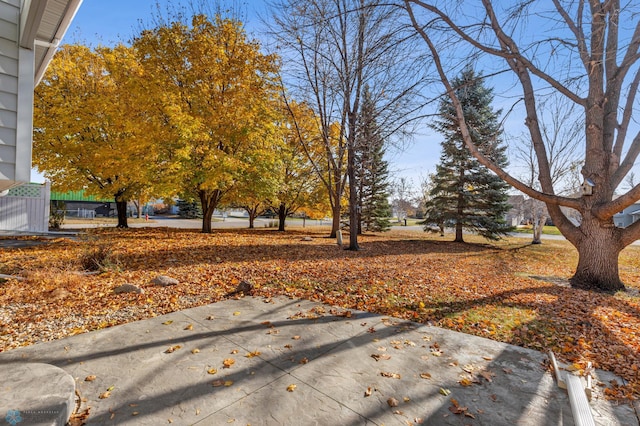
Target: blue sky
point(107, 22)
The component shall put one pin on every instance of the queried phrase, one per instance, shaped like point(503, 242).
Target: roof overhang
point(43, 24)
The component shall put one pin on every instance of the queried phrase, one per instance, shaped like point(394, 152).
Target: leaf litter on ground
point(507, 291)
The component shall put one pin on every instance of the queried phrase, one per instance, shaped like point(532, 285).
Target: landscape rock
point(164, 281)
point(307, 239)
point(128, 288)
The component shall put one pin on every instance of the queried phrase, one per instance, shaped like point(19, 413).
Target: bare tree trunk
point(353, 199)
point(282, 216)
point(460, 206)
point(459, 238)
point(335, 224)
point(121, 209)
point(598, 257)
point(538, 225)
point(209, 201)
point(252, 218)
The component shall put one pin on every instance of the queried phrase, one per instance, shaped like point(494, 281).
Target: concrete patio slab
point(292, 362)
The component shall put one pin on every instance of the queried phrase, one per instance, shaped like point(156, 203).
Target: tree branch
point(464, 130)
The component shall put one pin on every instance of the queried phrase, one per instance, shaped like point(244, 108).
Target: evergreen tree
point(372, 175)
point(465, 194)
point(189, 209)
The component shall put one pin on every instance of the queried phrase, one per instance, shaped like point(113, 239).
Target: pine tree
point(372, 175)
point(466, 195)
point(189, 209)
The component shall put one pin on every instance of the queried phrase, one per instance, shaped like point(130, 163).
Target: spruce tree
point(372, 175)
point(189, 209)
point(465, 194)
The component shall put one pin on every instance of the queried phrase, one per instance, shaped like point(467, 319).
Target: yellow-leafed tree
point(216, 89)
point(94, 129)
point(301, 169)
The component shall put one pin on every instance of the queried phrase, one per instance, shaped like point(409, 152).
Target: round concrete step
point(35, 394)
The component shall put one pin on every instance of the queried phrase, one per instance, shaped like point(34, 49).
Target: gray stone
point(307, 239)
point(164, 281)
point(36, 394)
point(128, 288)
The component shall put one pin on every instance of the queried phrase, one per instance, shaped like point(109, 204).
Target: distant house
point(516, 214)
point(627, 216)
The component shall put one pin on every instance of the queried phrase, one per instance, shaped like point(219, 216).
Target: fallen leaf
point(469, 368)
point(105, 395)
point(210, 317)
point(172, 349)
point(228, 362)
point(392, 375)
point(228, 383)
point(378, 357)
point(167, 322)
point(90, 378)
point(218, 383)
point(195, 351)
point(444, 391)
point(488, 375)
point(303, 360)
point(233, 351)
point(465, 382)
point(252, 354)
point(296, 337)
point(212, 371)
point(236, 313)
point(368, 392)
point(392, 402)
point(425, 375)
point(189, 327)
point(291, 388)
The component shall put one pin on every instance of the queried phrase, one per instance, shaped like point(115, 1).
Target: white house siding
point(9, 71)
point(26, 208)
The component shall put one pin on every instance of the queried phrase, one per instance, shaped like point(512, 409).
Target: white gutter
point(70, 13)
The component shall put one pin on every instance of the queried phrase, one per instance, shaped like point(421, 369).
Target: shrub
point(99, 258)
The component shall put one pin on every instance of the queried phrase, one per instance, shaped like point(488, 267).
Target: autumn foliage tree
point(215, 89)
point(93, 127)
point(587, 52)
point(299, 173)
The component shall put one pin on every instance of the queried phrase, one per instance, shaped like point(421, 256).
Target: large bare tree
point(561, 128)
point(331, 49)
point(587, 51)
